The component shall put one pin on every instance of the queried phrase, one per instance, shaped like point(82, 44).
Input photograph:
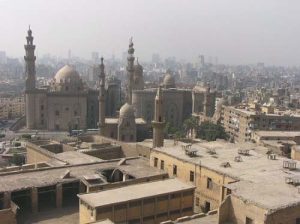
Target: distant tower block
point(30, 81)
point(158, 123)
point(101, 122)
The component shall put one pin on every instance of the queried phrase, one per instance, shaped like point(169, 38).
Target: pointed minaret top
point(102, 74)
point(131, 49)
point(29, 31)
point(102, 64)
point(29, 36)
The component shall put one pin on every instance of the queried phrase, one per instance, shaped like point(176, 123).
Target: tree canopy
point(206, 130)
point(210, 131)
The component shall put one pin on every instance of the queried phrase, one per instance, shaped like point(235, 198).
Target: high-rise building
point(2, 57)
point(95, 57)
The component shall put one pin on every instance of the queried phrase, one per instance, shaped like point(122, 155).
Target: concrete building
point(55, 173)
point(152, 202)
point(280, 142)
point(260, 136)
point(241, 122)
point(242, 181)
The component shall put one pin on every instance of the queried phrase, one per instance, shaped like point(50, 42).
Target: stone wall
point(287, 215)
point(129, 149)
point(36, 156)
point(214, 194)
point(235, 210)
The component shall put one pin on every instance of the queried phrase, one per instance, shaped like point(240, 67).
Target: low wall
point(8, 216)
point(130, 149)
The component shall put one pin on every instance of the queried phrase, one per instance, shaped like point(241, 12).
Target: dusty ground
point(56, 216)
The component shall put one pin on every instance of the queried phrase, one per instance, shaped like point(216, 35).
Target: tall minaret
point(130, 71)
point(101, 122)
point(30, 62)
point(30, 81)
point(158, 123)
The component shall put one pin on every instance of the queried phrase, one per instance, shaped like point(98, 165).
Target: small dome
point(127, 110)
point(169, 81)
point(67, 73)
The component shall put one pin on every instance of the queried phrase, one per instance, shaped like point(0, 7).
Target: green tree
point(174, 132)
point(189, 125)
point(179, 134)
point(26, 136)
point(17, 144)
point(210, 131)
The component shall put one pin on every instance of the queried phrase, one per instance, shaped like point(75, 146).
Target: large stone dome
point(169, 81)
point(67, 74)
point(127, 110)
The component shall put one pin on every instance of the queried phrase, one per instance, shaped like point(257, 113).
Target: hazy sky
point(237, 31)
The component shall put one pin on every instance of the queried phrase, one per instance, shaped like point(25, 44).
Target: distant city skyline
point(237, 32)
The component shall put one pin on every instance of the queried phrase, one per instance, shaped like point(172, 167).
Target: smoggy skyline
point(237, 32)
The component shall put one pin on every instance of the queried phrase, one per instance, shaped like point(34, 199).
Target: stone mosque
point(64, 105)
point(68, 104)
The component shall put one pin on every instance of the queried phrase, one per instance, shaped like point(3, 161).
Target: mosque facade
point(68, 104)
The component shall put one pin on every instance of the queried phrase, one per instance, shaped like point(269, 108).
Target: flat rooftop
point(209, 219)
point(261, 180)
point(115, 120)
point(250, 111)
point(278, 133)
point(134, 192)
point(106, 221)
point(73, 158)
point(21, 180)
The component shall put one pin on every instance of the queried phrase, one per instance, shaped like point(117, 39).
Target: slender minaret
point(130, 71)
point(101, 122)
point(30, 62)
point(30, 81)
point(159, 122)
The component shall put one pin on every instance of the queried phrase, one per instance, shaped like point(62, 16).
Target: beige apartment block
point(241, 123)
point(12, 107)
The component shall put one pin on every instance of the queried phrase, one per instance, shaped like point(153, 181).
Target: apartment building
point(12, 107)
point(240, 123)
